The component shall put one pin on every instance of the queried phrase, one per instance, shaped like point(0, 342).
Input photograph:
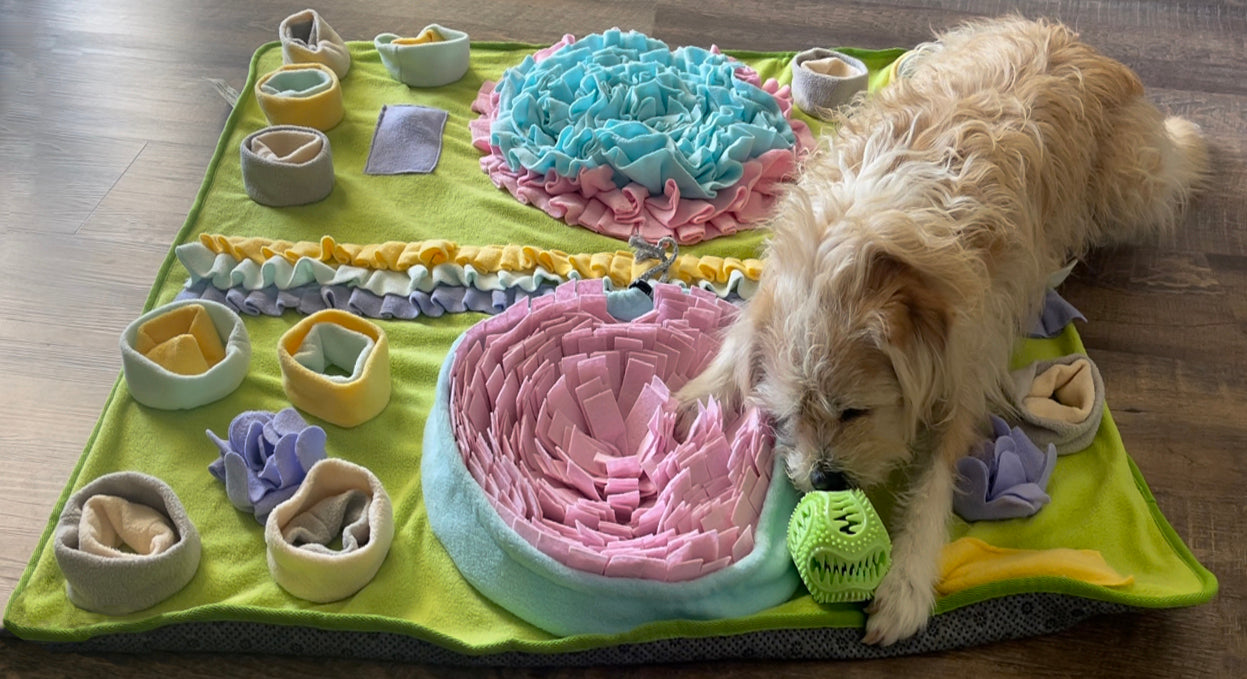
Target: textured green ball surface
point(839, 544)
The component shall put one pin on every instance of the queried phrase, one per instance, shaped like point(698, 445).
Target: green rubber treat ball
point(839, 544)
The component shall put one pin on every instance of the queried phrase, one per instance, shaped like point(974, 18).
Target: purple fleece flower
point(1006, 478)
point(266, 458)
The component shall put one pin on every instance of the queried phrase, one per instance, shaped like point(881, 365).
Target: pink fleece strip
point(576, 445)
point(593, 201)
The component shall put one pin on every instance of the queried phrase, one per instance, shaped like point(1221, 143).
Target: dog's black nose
point(824, 479)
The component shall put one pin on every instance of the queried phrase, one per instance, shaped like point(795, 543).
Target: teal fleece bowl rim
point(532, 585)
point(121, 585)
point(297, 84)
point(431, 64)
point(155, 386)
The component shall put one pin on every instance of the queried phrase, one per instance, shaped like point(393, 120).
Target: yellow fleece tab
point(969, 562)
point(179, 355)
point(344, 402)
point(426, 36)
point(183, 341)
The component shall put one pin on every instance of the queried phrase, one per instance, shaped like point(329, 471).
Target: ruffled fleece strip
point(619, 266)
point(224, 273)
point(591, 198)
point(312, 298)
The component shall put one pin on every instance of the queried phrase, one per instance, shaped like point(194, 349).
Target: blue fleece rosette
point(266, 458)
point(1006, 478)
point(627, 101)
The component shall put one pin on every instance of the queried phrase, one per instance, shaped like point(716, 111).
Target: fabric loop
point(307, 38)
point(338, 499)
point(117, 583)
point(309, 350)
point(173, 357)
point(302, 94)
point(286, 165)
point(424, 61)
point(823, 80)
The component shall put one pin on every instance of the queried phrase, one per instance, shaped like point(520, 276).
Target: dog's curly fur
point(914, 249)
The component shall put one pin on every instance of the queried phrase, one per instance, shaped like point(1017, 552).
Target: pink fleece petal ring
point(565, 416)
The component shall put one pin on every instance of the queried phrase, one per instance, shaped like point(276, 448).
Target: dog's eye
point(850, 414)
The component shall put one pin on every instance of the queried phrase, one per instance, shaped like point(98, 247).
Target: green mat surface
point(1099, 499)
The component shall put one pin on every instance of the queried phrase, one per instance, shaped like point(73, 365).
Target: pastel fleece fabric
point(115, 526)
point(336, 338)
point(823, 80)
point(1060, 401)
point(567, 602)
point(306, 95)
point(617, 134)
point(969, 562)
point(286, 165)
point(265, 457)
point(307, 37)
point(311, 299)
point(184, 342)
point(338, 500)
point(257, 262)
point(424, 61)
point(408, 140)
point(1099, 501)
point(120, 506)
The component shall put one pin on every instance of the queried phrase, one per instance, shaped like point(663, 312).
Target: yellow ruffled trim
point(619, 266)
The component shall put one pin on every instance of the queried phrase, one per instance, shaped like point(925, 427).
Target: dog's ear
point(911, 322)
point(914, 312)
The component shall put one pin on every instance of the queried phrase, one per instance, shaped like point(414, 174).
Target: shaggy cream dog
point(914, 250)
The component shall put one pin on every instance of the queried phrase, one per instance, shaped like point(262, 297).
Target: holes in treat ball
point(566, 418)
point(846, 515)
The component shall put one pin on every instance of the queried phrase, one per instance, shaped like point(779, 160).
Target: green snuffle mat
point(418, 607)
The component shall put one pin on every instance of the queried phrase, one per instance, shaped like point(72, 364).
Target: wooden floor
point(108, 119)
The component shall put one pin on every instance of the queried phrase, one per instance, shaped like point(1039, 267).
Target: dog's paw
point(685, 414)
point(901, 609)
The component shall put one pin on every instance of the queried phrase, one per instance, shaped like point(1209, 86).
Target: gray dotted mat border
point(1000, 619)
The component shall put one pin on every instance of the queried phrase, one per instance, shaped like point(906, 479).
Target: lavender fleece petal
point(288, 421)
point(253, 445)
point(1028, 493)
point(236, 483)
point(240, 426)
point(266, 458)
point(269, 477)
point(1006, 478)
point(1009, 473)
point(1056, 314)
point(309, 448)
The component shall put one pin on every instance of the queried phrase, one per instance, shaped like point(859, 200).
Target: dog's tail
point(1150, 167)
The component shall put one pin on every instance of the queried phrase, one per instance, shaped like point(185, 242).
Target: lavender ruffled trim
point(309, 299)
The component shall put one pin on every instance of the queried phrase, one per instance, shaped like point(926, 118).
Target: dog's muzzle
point(828, 479)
